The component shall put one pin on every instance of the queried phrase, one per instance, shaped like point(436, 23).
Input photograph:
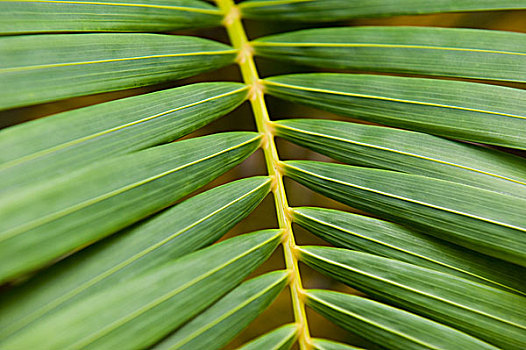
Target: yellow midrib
point(239, 40)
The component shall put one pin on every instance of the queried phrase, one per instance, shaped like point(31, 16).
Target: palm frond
point(387, 325)
point(77, 138)
point(36, 16)
point(485, 312)
point(390, 240)
point(156, 299)
point(337, 10)
point(103, 243)
point(467, 53)
point(41, 68)
point(461, 214)
point(173, 233)
point(99, 200)
point(280, 339)
point(455, 109)
point(409, 152)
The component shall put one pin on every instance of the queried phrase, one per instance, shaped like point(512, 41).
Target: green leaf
point(47, 221)
point(323, 344)
point(186, 227)
point(468, 53)
point(33, 16)
point(337, 10)
point(281, 338)
point(410, 152)
point(488, 222)
point(56, 145)
point(387, 326)
point(484, 312)
point(141, 310)
point(456, 109)
point(386, 239)
point(41, 68)
point(215, 327)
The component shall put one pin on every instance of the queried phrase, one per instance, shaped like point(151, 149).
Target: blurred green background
point(241, 119)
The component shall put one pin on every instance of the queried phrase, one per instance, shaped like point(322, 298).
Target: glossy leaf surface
point(69, 212)
point(387, 326)
point(156, 300)
point(489, 222)
point(108, 241)
point(182, 229)
point(279, 339)
point(33, 16)
point(468, 53)
point(357, 232)
point(460, 110)
point(56, 145)
point(215, 327)
point(42, 68)
point(337, 10)
point(324, 344)
point(484, 312)
point(409, 152)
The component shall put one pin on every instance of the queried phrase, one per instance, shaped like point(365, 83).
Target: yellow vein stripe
point(396, 46)
point(410, 199)
point(353, 233)
point(167, 7)
point(54, 216)
point(416, 291)
point(223, 317)
point(383, 98)
point(371, 322)
point(249, 72)
point(67, 64)
point(97, 335)
point(54, 303)
point(108, 131)
point(352, 142)
point(246, 4)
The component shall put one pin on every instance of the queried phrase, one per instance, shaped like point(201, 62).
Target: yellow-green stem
point(236, 32)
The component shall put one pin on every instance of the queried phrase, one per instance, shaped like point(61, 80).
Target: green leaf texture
point(323, 344)
point(468, 53)
point(56, 145)
point(484, 312)
point(215, 327)
point(33, 16)
point(409, 152)
point(387, 326)
point(47, 221)
point(488, 222)
point(141, 310)
point(182, 229)
point(337, 10)
point(41, 68)
point(461, 110)
point(390, 240)
point(281, 338)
